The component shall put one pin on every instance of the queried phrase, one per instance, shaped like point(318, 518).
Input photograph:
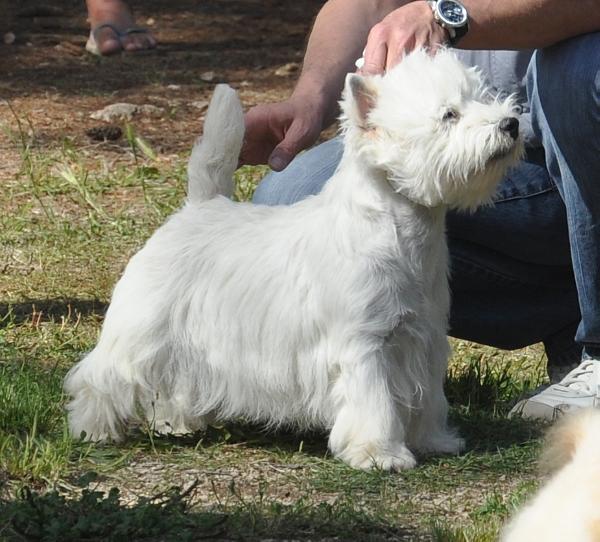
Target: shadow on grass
point(49, 309)
point(488, 432)
point(282, 441)
point(95, 516)
point(484, 430)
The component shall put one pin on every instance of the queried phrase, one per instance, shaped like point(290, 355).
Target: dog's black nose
point(511, 126)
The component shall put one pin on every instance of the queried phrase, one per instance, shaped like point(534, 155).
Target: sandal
point(92, 44)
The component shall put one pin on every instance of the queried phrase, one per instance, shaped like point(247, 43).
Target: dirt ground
point(50, 80)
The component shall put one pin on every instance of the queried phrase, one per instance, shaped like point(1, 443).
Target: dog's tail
point(215, 155)
point(575, 437)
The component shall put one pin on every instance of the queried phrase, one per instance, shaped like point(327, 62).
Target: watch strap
point(458, 33)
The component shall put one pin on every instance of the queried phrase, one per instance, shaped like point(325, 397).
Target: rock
point(207, 76)
point(151, 110)
point(173, 87)
point(125, 111)
point(200, 104)
point(9, 38)
point(287, 69)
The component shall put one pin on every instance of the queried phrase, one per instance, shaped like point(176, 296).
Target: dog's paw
point(176, 427)
point(443, 443)
point(395, 458)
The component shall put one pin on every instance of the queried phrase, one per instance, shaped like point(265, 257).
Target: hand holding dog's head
point(433, 128)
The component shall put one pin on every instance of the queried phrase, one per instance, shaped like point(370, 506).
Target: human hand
point(404, 29)
point(276, 133)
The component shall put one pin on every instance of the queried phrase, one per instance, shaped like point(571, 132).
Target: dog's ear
point(361, 95)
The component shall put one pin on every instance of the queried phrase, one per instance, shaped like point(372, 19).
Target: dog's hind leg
point(367, 431)
point(110, 386)
point(170, 415)
point(102, 401)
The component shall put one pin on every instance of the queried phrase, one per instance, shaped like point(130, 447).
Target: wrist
point(314, 101)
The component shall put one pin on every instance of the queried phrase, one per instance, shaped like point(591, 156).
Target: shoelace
point(579, 378)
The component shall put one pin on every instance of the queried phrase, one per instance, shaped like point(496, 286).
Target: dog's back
point(567, 508)
point(215, 155)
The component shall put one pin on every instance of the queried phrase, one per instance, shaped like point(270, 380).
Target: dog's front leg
point(368, 431)
point(429, 425)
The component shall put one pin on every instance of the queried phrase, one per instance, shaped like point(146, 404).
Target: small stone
point(115, 111)
point(151, 110)
point(173, 87)
point(287, 69)
point(200, 104)
point(207, 76)
point(9, 38)
point(125, 111)
point(150, 21)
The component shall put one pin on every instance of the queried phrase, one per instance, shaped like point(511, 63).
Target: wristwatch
point(451, 15)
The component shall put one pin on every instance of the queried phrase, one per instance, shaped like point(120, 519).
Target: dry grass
point(71, 217)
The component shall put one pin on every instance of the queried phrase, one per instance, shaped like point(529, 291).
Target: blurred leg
point(564, 88)
point(114, 38)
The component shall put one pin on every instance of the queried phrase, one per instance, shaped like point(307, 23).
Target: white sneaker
point(580, 388)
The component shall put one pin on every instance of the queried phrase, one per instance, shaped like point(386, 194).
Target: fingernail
point(277, 163)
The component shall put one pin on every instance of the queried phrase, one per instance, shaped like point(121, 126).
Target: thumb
point(283, 154)
point(280, 157)
point(296, 139)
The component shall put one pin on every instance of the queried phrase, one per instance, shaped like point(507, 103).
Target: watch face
point(452, 12)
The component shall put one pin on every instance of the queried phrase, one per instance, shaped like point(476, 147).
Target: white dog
point(331, 312)
point(567, 508)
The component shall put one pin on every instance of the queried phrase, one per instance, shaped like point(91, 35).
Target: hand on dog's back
point(403, 30)
point(277, 132)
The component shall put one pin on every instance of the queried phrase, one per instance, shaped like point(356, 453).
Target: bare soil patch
point(53, 82)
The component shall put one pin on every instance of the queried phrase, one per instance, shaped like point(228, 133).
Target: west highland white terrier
point(331, 312)
point(567, 507)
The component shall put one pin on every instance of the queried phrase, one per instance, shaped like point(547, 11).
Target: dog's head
point(433, 128)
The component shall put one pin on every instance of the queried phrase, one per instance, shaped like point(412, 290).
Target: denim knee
point(564, 81)
point(305, 175)
point(267, 192)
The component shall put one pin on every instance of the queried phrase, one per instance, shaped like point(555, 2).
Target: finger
point(258, 141)
point(254, 153)
point(397, 51)
point(375, 58)
point(297, 138)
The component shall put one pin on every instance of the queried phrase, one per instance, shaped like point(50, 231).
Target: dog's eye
point(450, 114)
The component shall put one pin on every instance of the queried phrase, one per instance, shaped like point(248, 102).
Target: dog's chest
point(400, 271)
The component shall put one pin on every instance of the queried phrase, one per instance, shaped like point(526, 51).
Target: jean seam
point(527, 196)
point(488, 270)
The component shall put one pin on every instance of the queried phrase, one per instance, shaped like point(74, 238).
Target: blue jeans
point(527, 269)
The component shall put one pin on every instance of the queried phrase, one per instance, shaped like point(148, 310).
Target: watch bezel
point(443, 19)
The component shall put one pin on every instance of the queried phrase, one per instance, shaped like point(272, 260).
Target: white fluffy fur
point(331, 312)
point(567, 508)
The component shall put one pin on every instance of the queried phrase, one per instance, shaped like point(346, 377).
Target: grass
point(71, 217)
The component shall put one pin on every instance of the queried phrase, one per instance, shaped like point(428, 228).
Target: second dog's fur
point(331, 312)
point(567, 507)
